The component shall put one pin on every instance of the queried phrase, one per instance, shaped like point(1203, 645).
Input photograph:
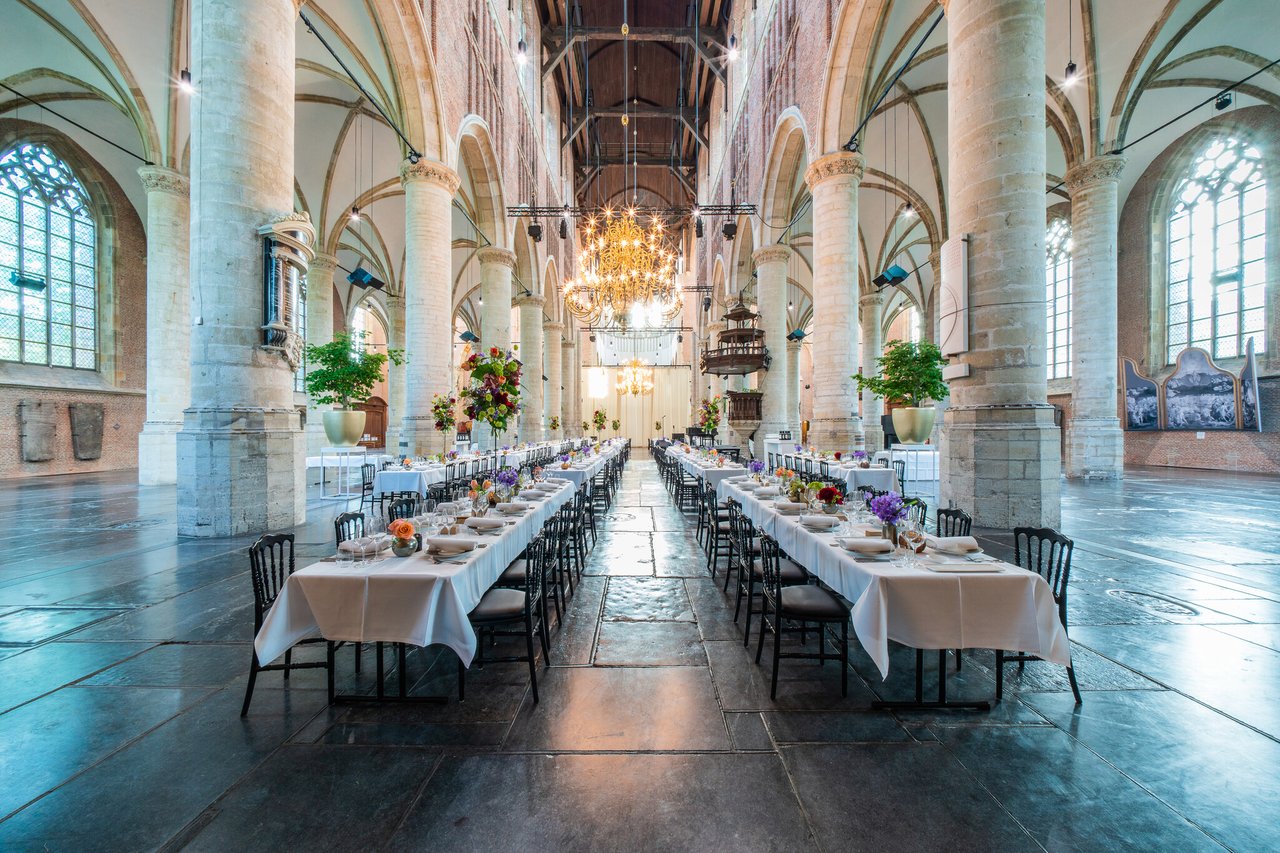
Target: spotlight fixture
point(564, 229)
point(1070, 75)
point(414, 156)
point(1222, 101)
point(706, 303)
point(909, 210)
point(468, 337)
point(592, 338)
point(796, 335)
point(790, 305)
point(697, 227)
point(184, 82)
point(355, 214)
point(361, 277)
point(730, 230)
point(480, 301)
point(535, 231)
point(889, 277)
point(25, 282)
point(679, 339)
point(522, 53)
point(733, 49)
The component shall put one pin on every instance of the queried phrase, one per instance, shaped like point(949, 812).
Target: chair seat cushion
point(514, 575)
point(499, 604)
point(811, 602)
point(791, 573)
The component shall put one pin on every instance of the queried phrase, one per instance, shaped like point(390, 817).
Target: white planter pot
point(343, 428)
point(913, 424)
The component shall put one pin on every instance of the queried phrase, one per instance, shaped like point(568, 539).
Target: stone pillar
point(871, 308)
point(495, 288)
point(935, 291)
point(793, 387)
point(552, 340)
point(532, 426)
point(396, 374)
point(1002, 463)
point(428, 292)
point(1095, 442)
point(569, 406)
point(168, 323)
point(240, 451)
point(833, 180)
point(319, 332)
point(771, 296)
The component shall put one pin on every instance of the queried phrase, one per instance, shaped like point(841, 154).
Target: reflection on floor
point(123, 654)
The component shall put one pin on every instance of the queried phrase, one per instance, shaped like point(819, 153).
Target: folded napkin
point(790, 507)
point(477, 523)
point(364, 546)
point(767, 491)
point(449, 543)
point(953, 544)
point(512, 508)
point(867, 546)
point(824, 521)
point(531, 494)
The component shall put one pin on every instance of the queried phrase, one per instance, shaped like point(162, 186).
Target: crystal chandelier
point(635, 378)
point(626, 270)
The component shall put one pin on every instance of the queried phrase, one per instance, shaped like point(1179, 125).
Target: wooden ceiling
point(661, 73)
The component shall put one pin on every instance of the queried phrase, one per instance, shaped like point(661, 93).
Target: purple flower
point(889, 508)
point(756, 466)
point(564, 457)
point(799, 448)
point(859, 455)
point(508, 477)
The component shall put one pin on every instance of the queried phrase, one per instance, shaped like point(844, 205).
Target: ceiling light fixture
point(522, 53)
point(1070, 76)
point(355, 214)
point(184, 82)
point(733, 49)
point(909, 210)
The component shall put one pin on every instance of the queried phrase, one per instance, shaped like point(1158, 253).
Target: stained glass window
point(1217, 252)
point(48, 262)
point(1058, 299)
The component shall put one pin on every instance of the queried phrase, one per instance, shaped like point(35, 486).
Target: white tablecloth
point(398, 600)
point(1013, 610)
point(712, 475)
point(884, 479)
point(399, 480)
point(582, 472)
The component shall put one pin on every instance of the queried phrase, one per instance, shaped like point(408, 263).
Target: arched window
point(1217, 252)
point(48, 262)
point(1058, 299)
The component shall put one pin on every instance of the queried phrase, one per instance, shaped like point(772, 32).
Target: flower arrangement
point(585, 426)
point(756, 467)
point(657, 426)
point(784, 474)
point(451, 455)
point(709, 414)
point(401, 530)
point(598, 419)
point(859, 455)
point(478, 488)
point(830, 496)
point(615, 424)
point(889, 508)
point(508, 477)
point(554, 424)
point(494, 393)
point(838, 455)
point(443, 412)
point(564, 460)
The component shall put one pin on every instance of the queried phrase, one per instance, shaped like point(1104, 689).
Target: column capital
point(321, 261)
point(835, 165)
point(431, 171)
point(1094, 172)
point(496, 255)
point(568, 343)
point(160, 179)
point(793, 347)
point(874, 299)
point(772, 254)
point(529, 299)
point(553, 327)
point(715, 326)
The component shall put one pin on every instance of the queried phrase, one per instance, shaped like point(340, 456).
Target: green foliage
point(342, 372)
point(909, 374)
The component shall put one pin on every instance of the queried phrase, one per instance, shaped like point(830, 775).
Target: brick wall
point(120, 384)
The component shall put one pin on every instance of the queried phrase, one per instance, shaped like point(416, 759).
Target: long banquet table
point(1011, 609)
point(400, 600)
point(583, 472)
point(712, 474)
point(420, 477)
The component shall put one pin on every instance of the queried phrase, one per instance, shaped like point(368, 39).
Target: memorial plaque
point(86, 429)
point(39, 430)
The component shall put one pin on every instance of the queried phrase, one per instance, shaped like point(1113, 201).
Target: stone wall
point(119, 383)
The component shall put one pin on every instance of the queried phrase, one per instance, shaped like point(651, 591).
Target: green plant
point(909, 374)
point(598, 418)
point(343, 372)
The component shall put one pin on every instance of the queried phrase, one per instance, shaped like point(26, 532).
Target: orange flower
point(401, 528)
point(488, 484)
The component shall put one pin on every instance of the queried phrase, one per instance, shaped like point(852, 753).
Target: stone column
point(1095, 442)
point(793, 387)
point(428, 293)
point(495, 288)
point(532, 426)
point(240, 451)
point(1002, 463)
point(319, 332)
point(771, 296)
point(935, 291)
point(168, 323)
point(833, 180)
point(569, 404)
point(871, 308)
point(552, 340)
point(396, 377)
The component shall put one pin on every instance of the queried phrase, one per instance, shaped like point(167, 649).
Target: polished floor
point(124, 652)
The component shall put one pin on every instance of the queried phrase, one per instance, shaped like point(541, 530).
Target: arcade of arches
point(1082, 199)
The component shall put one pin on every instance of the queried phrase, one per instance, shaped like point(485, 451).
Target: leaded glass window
point(1217, 252)
point(1058, 299)
point(48, 262)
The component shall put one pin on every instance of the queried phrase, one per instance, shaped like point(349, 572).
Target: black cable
point(852, 144)
point(75, 123)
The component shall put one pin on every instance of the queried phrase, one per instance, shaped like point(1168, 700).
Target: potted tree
point(342, 373)
point(910, 374)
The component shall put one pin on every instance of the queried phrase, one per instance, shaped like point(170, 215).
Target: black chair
point(271, 563)
point(348, 525)
point(917, 511)
point(719, 533)
point(405, 506)
point(802, 603)
point(751, 568)
point(954, 522)
point(1046, 552)
point(502, 609)
point(367, 472)
point(900, 471)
